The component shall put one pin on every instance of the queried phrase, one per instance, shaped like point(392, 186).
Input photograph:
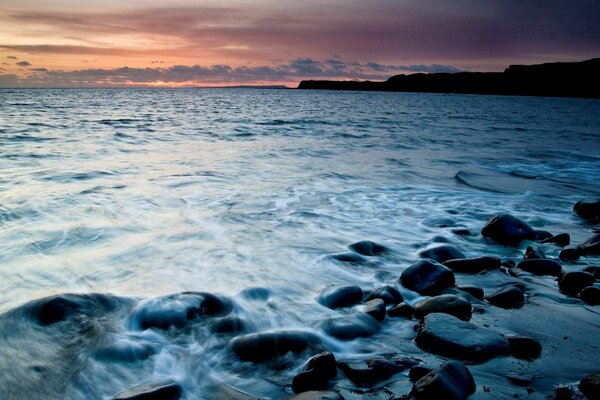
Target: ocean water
point(144, 193)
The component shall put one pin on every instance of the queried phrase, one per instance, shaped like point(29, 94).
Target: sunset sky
point(65, 43)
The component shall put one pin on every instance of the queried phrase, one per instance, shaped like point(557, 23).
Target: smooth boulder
point(151, 391)
point(473, 290)
point(590, 386)
point(445, 303)
point(524, 347)
point(452, 381)
point(507, 230)
point(473, 265)
point(562, 240)
point(588, 209)
point(593, 270)
point(590, 295)
point(367, 248)
point(508, 297)
point(427, 277)
point(50, 310)
point(377, 369)
point(375, 308)
point(570, 253)
point(575, 281)
point(591, 247)
point(317, 372)
point(264, 346)
point(540, 267)
point(350, 327)
point(441, 253)
point(403, 310)
point(388, 294)
point(337, 296)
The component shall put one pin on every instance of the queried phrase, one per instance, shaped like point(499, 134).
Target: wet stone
point(562, 240)
point(316, 374)
point(541, 235)
point(417, 372)
point(388, 294)
point(462, 232)
point(533, 254)
point(591, 247)
point(367, 248)
point(590, 386)
point(151, 391)
point(507, 230)
point(427, 277)
point(570, 253)
point(445, 303)
point(508, 297)
point(377, 369)
point(58, 308)
point(350, 327)
point(541, 267)
point(452, 381)
point(337, 296)
point(263, 346)
point(441, 253)
point(473, 265)
point(473, 290)
point(524, 347)
point(230, 325)
point(449, 336)
point(590, 295)
point(317, 395)
point(348, 257)
point(403, 310)
point(375, 308)
point(574, 282)
point(588, 209)
point(593, 270)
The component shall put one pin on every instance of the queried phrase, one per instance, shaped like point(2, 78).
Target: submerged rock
point(452, 381)
point(541, 267)
point(151, 391)
point(348, 257)
point(317, 395)
point(575, 281)
point(588, 209)
point(375, 308)
point(427, 277)
point(508, 297)
point(533, 254)
point(507, 230)
point(388, 294)
point(404, 310)
point(230, 325)
point(593, 270)
point(562, 240)
point(317, 372)
point(473, 265)
point(367, 248)
point(473, 290)
point(51, 310)
point(524, 347)
point(541, 235)
point(590, 295)
point(570, 253)
point(449, 336)
point(377, 369)
point(445, 303)
point(350, 327)
point(337, 296)
point(264, 346)
point(590, 386)
point(591, 247)
point(441, 253)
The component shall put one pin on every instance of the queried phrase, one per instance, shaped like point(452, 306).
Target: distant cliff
point(574, 79)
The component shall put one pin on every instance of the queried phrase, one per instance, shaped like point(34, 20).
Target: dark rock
point(229, 325)
point(348, 257)
point(336, 296)
point(591, 247)
point(375, 370)
point(388, 294)
point(404, 310)
point(509, 264)
point(441, 253)
point(445, 303)
point(575, 281)
point(507, 230)
point(151, 391)
point(473, 265)
point(417, 372)
point(508, 297)
point(317, 395)
point(427, 277)
point(58, 308)
point(367, 248)
point(452, 381)
point(473, 290)
point(524, 347)
point(588, 209)
point(590, 295)
point(541, 267)
point(350, 327)
point(533, 254)
point(541, 235)
point(462, 232)
point(447, 335)
point(562, 239)
point(590, 386)
point(570, 253)
point(375, 308)
point(317, 372)
point(177, 309)
point(593, 270)
point(263, 346)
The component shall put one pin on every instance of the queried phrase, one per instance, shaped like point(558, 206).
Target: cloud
point(8, 80)
point(12, 57)
point(40, 69)
point(23, 64)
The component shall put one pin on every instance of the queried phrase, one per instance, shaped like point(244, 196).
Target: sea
point(252, 194)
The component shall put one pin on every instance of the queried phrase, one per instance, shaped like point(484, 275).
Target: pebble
point(349, 327)
point(441, 253)
point(336, 296)
point(541, 267)
point(427, 277)
point(524, 347)
point(507, 230)
point(263, 346)
point(452, 381)
point(473, 265)
point(508, 297)
point(317, 372)
point(590, 386)
point(590, 295)
point(575, 281)
point(445, 303)
point(388, 294)
point(367, 248)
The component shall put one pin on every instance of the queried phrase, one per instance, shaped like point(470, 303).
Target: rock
point(473, 290)
point(229, 325)
point(375, 370)
point(264, 346)
point(462, 232)
point(317, 395)
point(317, 372)
point(562, 239)
point(473, 265)
point(591, 247)
point(336, 296)
point(524, 347)
point(541, 235)
point(388, 294)
point(177, 309)
point(590, 295)
point(593, 270)
point(452, 381)
point(507, 230)
point(349, 327)
point(533, 254)
point(574, 282)
point(588, 209)
point(508, 297)
point(375, 308)
point(541, 267)
point(570, 253)
point(590, 386)
point(449, 336)
point(404, 310)
point(51, 310)
point(348, 257)
point(441, 253)
point(417, 372)
point(367, 248)
point(427, 277)
point(151, 391)
point(445, 303)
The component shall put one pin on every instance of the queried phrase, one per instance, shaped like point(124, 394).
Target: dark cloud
point(12, 57)
point(39, 69)
point(8, 80)
point(23, 64)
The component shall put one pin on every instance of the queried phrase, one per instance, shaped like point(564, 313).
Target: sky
point(79, 43)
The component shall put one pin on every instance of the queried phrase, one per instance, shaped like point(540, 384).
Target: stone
point(507, 230)
point(336, 296)
point(508, 297)
point(388, 294)
point(367, 248)
point(317, 372)
point(473, 290)
point(151, 391)
point(377, 369)
point(590, 386)
point(264, 346)
point(562, 240)
point(375, 308)
point(417, 372)
point(473, 265)
point(445, 303)
point(588, 209)
point(575, 281)
point(462, 232)
point(403, 309)
point(427, 277)
point(524, 347)
point(229, 325)
point(533, 254)
point(590, 295)
point(541, 267)
point(452, 381)
point(542, 235)
point(51, 310)
point(350, 327)
point(441, 253)
point(317, 395)
point(591, 247)
point(593, 270)
point(348, 257)
point(449, 336)
point(570, 253)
